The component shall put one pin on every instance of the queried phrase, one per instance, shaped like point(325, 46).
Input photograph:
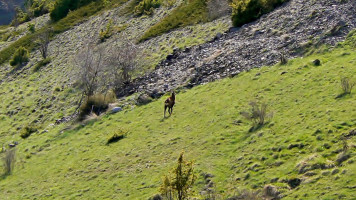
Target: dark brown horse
point(169, 103)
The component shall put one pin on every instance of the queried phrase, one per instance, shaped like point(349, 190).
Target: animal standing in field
point(169, 103)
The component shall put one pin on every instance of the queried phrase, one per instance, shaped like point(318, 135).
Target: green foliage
point(27, 131)
point(119, 135)
point(96, 103)
point(9, 161)
point(31, 28)
point(179, 183)
point(62, 7)
point(19, 57)
point(20, 17)
point(37, 8)
point(41, 64)
point(245, 11)
point(190, 12)
point(147, 6)
point(107, 33)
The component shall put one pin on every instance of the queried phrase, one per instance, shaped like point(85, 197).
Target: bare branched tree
point(9, 161)
point(43, 42)
point(90, 63)
point(123, 60)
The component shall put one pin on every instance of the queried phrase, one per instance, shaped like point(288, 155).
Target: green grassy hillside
point(301, 141)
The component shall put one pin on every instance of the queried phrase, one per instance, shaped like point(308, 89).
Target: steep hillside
point(306, 151)
point(301, 142)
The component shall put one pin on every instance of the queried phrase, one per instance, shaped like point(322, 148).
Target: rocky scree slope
point(289, 29)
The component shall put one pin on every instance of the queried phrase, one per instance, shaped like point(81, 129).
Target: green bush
point(27, 131)
point(97, 104)
point(31, 28)
point(147, 7)
point(245, 11)
point(38, 7)
point(62, 7)
point(190, 12)
point(107, 33)
point(19, 57)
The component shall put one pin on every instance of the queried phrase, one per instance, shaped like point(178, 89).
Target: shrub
point(347, 84)
point(9, 161)
point(20, 17)
point(107, 33)
point(257, 114)
point(31, 28)
point(245, 11)
point(180, 181)
point(19, 57)
point(37, 8)
point(147, 7)
point(27, 131)
point(62, 7)
point(116, 137)
point(97, 104)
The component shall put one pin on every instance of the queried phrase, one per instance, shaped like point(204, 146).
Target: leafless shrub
point(218, 8)
point(90, 64)
point(283, 59)
point(123, 61)
point(347, 84)
point(9, 161)
point(43, 42)
point(257, 114)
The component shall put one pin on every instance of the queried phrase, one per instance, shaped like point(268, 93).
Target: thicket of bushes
point(147, 7)
point(61, 7)
point(245, 11)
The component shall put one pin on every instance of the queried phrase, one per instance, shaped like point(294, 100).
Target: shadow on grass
point(342, 95)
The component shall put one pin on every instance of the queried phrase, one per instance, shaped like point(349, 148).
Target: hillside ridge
point(288, 30)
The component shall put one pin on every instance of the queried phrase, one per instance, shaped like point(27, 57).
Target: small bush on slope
point(20, 57)
point(147, 7)
point(245, 11)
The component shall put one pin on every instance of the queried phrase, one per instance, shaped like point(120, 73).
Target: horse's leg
point(165, 108)
point(170, 110)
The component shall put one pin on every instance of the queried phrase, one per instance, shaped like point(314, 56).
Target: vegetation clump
point(27, 131)
point(20, 57)
point(245, 11)
point(258, 114)
point(62, 7)
point(41, 64)
point(347, 84)
point(178, 183)
point(116, 137)
point(147, 6)
point(97, 104)
point(9, 161)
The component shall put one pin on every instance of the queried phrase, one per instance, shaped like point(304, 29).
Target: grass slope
point(77, 163)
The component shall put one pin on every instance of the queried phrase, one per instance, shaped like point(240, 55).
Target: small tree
point(20, 57)
point(43, 42)
point(183, 179)
point(9, 161)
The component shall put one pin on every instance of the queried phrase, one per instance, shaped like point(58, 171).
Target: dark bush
point(62, 7)
point(27, 131)
point(19, 57)
point(245, 11)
